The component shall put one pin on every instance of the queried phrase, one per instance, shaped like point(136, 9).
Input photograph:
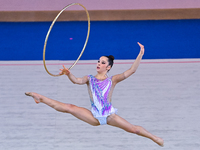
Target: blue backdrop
point(162, 39)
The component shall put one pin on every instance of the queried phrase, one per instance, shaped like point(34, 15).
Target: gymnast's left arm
point(136, 63)
point(129, 72)
point(72, 78)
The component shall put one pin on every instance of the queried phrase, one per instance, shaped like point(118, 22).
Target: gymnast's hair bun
point(111, 57)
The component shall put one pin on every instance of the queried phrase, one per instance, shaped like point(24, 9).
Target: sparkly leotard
point(99, 95)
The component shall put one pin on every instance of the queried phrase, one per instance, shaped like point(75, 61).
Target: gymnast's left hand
point(141, 48)
point(64, 71)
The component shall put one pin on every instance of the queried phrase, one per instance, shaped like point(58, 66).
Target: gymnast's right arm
point(72, 78)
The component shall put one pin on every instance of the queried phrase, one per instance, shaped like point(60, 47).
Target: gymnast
point(100, 89)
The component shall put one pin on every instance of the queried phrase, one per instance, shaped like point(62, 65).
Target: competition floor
point(162, 96)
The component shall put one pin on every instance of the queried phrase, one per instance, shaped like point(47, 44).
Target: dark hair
point(110, 60)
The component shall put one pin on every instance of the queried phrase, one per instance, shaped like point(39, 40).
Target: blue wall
point(162, 39)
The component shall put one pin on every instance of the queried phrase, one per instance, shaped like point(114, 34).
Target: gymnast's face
point(103, 64)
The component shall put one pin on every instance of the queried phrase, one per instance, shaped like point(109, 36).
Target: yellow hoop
point(47, 36)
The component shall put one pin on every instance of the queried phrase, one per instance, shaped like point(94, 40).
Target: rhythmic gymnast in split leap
point(100, 89)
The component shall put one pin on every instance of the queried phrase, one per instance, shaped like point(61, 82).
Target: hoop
point(47, 36)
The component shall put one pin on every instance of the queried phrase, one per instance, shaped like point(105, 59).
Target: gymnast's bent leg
point(117, 121)
point(79, 112)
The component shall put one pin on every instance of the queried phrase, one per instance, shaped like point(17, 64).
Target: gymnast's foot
point(35, 96)
point(160, 141)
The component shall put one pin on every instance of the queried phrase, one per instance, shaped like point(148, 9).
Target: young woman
point(100, 89)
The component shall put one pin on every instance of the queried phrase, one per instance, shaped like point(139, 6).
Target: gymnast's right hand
point(64, 71)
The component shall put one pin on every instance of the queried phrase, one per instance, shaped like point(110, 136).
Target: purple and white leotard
point(99, 91)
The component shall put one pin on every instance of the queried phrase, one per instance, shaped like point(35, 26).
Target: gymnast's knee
point(136, 130)
point(66, 108)
point(69, 108)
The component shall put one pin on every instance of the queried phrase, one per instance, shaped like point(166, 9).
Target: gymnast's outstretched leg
point(117, 121)
point(79, 112)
